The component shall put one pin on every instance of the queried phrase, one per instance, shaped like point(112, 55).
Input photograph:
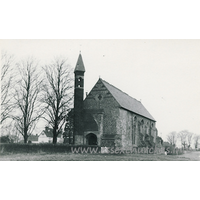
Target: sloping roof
point(127, 102)
point(49, 132)
point(33, 138)
point(79, 65)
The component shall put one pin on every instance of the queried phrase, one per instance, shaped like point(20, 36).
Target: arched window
point(145, 130)
point(79, 82)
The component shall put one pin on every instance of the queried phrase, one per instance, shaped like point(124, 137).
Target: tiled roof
point(79, 64)
point(127, 102)
point(49, 132)
point(33, 138)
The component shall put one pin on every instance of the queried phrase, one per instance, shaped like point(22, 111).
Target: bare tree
point(27, 89)
point(57, 94)
point(172, 138)
point(6, 83)
point(189, 139)
point(183, 135)
point(69, 127)
point(10, 130)
point(196, 141)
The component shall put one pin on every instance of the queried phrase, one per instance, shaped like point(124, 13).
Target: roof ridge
point(126, 101)
point(120, 90)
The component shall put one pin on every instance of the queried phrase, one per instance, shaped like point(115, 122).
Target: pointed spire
point(79, 65)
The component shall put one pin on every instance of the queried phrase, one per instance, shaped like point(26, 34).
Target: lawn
point(191, 156)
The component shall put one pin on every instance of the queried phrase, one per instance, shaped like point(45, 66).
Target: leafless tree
point(172, 138)
point(189, 139)
point(183, 135)
point(57, 94)
point(27, 89)
point(10, 130)
point(6, 85)
point(196, 141)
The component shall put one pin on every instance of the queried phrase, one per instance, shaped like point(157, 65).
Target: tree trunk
point(54, 136)
point(54, 139)
point(25, 135)
point(25, 139)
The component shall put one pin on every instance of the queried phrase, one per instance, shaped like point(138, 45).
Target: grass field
point(190, 156)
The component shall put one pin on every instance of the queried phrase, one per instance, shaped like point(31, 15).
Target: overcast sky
point(163, 74)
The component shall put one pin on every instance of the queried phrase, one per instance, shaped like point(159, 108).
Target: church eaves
point(127, 102)
point(79, 65)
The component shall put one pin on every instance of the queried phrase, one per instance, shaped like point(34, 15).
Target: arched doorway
point(91, 139)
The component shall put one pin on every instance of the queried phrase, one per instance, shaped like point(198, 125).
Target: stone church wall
point(125, 128)
point(110, 112)
point(132, 127)
point(118, 127)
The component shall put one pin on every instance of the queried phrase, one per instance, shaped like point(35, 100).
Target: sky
point(163, 74)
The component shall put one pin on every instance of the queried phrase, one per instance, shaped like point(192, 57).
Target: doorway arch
point(91, 139)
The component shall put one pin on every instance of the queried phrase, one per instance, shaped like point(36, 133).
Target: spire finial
point(79, 52)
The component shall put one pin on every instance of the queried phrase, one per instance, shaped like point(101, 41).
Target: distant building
point(109, 117)
point(33, 139)
point(166, 144)
point(46, 136)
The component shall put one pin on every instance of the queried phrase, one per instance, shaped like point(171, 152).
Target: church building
point(108, 117)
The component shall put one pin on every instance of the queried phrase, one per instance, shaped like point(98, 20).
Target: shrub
point(4, 139)
point(171, 150)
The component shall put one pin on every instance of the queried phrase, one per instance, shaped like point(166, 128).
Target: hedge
point(60, 148)
point(38, 148)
